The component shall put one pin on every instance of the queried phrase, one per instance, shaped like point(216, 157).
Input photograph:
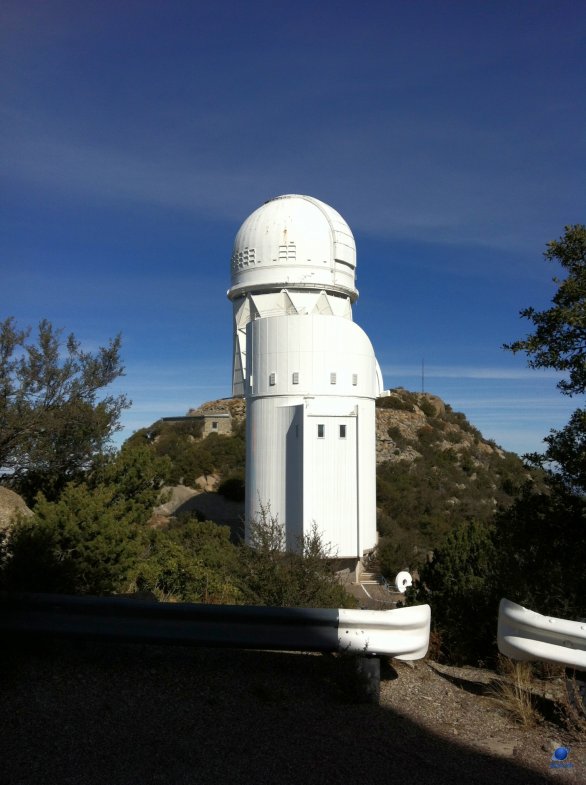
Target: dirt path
point(135, 715)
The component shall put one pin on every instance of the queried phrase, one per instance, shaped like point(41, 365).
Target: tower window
point(272, 379)
point(295, 378)
point(321, 431)
point(342, 431)
point(332, 378)
point(354, 379)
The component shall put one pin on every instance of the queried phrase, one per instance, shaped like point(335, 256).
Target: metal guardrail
point(401, 633)
point(526, 635)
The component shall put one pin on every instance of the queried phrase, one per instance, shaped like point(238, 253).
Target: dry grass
point(513, 694)
point(574, 710)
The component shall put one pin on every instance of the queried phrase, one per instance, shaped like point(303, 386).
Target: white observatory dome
point(294, 242)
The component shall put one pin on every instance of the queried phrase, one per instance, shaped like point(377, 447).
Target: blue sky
point(136, 136)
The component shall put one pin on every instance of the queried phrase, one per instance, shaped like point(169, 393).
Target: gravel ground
point(82, 713)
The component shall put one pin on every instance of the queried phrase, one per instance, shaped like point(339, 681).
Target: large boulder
point(11, 506)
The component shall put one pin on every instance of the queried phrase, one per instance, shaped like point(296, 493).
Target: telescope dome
point(294, 242)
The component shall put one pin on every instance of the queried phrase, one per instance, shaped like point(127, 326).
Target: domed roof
point(295, 242)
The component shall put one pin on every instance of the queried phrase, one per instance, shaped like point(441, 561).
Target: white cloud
point(465, 372)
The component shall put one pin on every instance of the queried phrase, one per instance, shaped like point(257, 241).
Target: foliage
point(87, 541)
point(559, 340)
point(80, 544)
point(190, 562)
point(303, 579)
point(459, 585)
point(566, 449)
point(399, 548)
point(191, 456)
point(52, 419)
point(541, 544)
point(400, 400)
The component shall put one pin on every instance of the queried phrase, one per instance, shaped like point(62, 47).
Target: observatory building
point(308, 373)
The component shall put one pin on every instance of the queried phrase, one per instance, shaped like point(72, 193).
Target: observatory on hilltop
point(308, 373)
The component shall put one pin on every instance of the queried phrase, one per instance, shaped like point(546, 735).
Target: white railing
point(526, 635)
point(402, 633)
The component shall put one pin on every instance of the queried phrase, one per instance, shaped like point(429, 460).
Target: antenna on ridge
point(422, 375)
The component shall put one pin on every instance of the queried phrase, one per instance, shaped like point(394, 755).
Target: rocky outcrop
point(11, 507)
point(405, 420)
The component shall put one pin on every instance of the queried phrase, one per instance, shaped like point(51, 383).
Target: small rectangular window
point(321, 431)
point(272, 379)
point(295, 377)
point(342, 431)
point(214, 425)
point(332, 378)
point(354, 379)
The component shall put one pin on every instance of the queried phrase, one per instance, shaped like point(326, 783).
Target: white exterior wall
point(261, 305)
point(305, 371)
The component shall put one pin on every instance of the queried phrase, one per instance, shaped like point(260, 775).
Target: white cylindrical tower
point(309, 375)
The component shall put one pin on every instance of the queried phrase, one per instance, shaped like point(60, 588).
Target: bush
point(189, 563)
point(542, 542)
point(277, 578)
point(427, 407)
point(459, 585)
point(84, 543)
point(396, 403)
point(89, 539)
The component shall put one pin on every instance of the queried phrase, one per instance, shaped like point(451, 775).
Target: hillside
point(434, 469)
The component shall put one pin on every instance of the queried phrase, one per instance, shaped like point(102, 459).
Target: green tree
point(80, 544)
point(89, 540)
point(53, 416)
point(559, 340)
point(542, 537)
point(541, 542)
point(460, 587)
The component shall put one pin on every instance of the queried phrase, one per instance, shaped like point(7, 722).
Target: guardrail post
point(368, 675)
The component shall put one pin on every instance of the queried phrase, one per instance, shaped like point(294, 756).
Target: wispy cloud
point(465, 372)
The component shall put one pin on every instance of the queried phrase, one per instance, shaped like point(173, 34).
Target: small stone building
point(218, 421)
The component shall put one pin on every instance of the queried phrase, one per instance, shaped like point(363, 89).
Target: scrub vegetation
point(443, 474)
